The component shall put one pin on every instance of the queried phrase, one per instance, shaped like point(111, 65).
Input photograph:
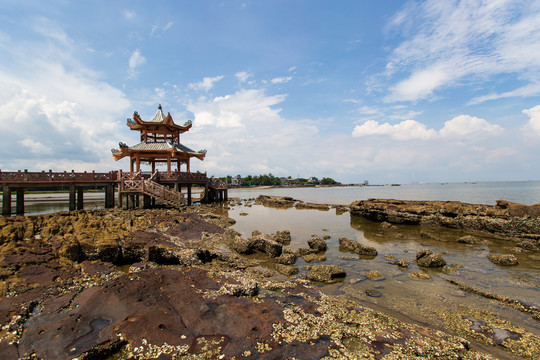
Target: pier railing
point(44, 177)
point(28, 177)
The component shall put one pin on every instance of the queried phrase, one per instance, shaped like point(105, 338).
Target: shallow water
point(420, 301)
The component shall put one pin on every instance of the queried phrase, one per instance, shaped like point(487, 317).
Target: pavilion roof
point(160, 120)
point(162, 147)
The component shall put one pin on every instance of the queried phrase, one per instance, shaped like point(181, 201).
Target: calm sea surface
point(522, 192)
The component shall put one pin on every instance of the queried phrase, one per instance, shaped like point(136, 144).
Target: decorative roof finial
point(159, 107)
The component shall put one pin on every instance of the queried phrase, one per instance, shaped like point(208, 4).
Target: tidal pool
point(434, 302)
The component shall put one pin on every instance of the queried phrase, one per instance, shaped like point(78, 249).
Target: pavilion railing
point(165, 176)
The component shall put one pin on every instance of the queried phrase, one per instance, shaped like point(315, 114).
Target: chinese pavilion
point(160, 143)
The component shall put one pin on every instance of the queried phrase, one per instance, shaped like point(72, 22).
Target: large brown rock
point(505, 259)
point(316, 243)
point(180, 308)
point(326, 273)
point(266, 244)
point(352, 246)
point(505, 218)
point(431, 261)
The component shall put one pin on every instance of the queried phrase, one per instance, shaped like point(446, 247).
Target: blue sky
point(393, 91)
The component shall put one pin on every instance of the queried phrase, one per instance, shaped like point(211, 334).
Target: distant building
point(236, 180)
point(313, 179)
point(287, 181)
point(366, 183)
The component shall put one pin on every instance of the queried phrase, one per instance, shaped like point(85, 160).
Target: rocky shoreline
point(505, 219)
point(162, 283)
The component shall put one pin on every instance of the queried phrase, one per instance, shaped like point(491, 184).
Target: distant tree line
point(271, 180)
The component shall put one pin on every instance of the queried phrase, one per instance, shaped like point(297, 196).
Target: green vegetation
point(271, 180)
point(266, 180)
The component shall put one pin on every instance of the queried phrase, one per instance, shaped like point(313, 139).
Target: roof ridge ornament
point(159, 107)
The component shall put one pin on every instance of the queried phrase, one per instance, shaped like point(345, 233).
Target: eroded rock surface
point(352, 246)
point(504, 219)
point(327, 273)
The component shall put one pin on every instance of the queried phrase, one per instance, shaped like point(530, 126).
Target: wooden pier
point(159, 145)
point(161, 186)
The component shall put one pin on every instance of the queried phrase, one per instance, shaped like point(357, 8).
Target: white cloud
point(160, 92)
point(157, 31)
point(243, 76)
point(457, 128)
point(292, 68)
point(405, 130)
point(50, 30)
point(450, 42)
point(168, 26)
point(135, 60)
point(534, 119)
point(404, 116)
point(35, 147)
point(128, 14)
point(420, 84)
point(206, 83)
point(281, 80)
point(244, 132)
point(236, 110)
point(55, 113)
point(464, 125)
point(532, 89)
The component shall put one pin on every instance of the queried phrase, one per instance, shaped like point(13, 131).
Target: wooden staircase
point(151, 188)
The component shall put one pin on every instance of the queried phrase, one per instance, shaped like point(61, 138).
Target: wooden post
point(169, 162)
point(138, 159)
point(206, 193)
point(109, 196)
point(131, 164)
point(80, 197)
point(125, 201)
point(72, 200)
point(20, 201)
point(189, 194)
point(120, 200)
point(226, 195)
point(187, 166)
point(6, 201)
point(147, 201)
